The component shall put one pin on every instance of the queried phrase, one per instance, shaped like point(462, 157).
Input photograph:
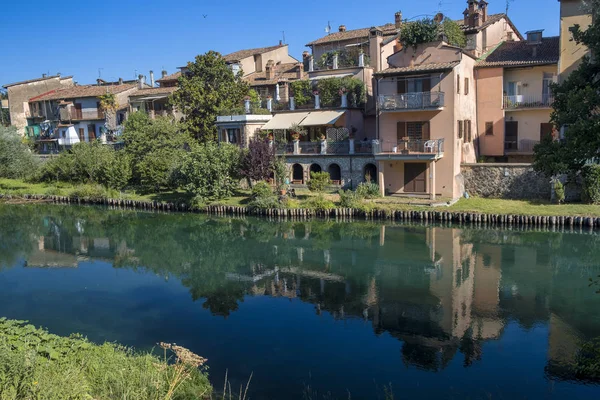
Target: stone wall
point(507, 181)
point(352, 167)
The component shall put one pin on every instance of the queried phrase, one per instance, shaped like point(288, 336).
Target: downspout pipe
point(377, 111)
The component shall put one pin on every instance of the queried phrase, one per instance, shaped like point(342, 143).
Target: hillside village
point(409, 117)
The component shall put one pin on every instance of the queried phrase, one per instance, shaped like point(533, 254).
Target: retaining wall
point(506, 181)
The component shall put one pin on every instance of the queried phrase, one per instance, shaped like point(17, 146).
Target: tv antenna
point(328, 27)
point(100, 73)
point(283, 34)
point(508, 5)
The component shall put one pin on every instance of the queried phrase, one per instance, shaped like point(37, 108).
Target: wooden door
point(81, 135)
point(78, 113)
point(545, 130)
point(415, 177)
point(91, 132)
point(511, 135)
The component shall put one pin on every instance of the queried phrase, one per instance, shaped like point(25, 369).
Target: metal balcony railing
point(310, 147)
point(528, 101)
point(74, 114)
point(520, 146)
point(409, 147)
point(411, 101)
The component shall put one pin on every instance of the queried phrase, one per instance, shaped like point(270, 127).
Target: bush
point(265, 203)
point(318, 181)
point(90, 192)
point(211, 171)
point(559, 191)
point(368, 190)
point(261, 190)
point(320, 203)
point(350, 199)
point(16, 159)
point(591, 183)
point(35, 364)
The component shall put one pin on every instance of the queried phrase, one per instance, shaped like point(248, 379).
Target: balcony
point(523, 146)
point(80, 115)
point(411, 101)
point(523, 102)
point(327, 147)
point(409, 149)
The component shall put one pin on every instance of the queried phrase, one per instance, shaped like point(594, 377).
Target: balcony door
point(78, 111)
point(511, 135)
point(415, 177)
point(549, 78)
point(416, 91)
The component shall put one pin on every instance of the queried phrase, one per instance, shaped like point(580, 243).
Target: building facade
point(572, 12)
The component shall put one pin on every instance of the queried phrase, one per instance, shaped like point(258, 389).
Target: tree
point(208, 86)
point(155, 149)
point(576, 108)
point(428, 30)
point(257, 162)
point(109, 105)
point(16, 159)
point(4, 112)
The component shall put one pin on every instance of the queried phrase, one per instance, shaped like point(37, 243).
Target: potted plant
point(296, 131)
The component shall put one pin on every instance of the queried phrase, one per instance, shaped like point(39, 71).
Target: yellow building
point(572, 12)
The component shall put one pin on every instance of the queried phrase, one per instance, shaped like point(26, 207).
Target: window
point(468, 131)
point(458, 84)
point(509, 36)
point(460, 129)
point(233, 135)
point(489, 128)
point(466, 86)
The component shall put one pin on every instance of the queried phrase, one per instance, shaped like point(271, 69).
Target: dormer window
point(235, 68)
point(534, 37)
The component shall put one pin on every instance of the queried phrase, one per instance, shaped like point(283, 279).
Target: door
point(81, 135)
point(511, 135)
point(78, 113)
point(545, 130)
point(415, 177)
point(549, 78)
point(91, 132)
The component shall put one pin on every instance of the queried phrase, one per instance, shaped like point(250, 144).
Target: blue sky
point(120, 37)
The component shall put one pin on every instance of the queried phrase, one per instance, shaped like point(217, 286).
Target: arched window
point(315, 168)
point(335, 174)
point(370, 173)
point(297, 174)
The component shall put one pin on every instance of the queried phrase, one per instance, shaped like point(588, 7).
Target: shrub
point(559, 191)
point(261, 190)
point(257, 162)
point(318, 181)
point(368, 190)
point(591, 183)
point(265, 203)
point(90, 192)
point(302, 91)
point(320, 203)
point(350, 199)
point(16, 159)
point(211, 171)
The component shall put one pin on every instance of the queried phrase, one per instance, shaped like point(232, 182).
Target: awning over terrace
point(284, 121)
point(317, 118)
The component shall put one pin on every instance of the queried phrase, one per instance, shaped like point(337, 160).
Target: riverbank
point(37, 364)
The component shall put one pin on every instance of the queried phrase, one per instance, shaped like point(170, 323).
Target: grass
point(305, 198)
point(35, 364)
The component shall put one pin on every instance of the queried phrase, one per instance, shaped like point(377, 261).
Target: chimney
point(120, 81)
point(439, 17)
point(99, 82)
point(270, 70)
point(151, 78)
point(375, 40)
point(281, 43)
point(164, 74)
point(342, 28)
point(299, 70)
point(141, 81)
point(44, 75)
point(398, 19)
point(466, 17)
point(483, 7)
point(472, 5)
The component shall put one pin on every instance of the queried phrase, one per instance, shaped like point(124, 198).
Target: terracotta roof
point(241, 54)
point(491, 19)
point(363, 33)
point(283, 72)
point(172, 77)
point(154, 91)
point(431, 67)
point(82, 91)
point(523, 53)
point(37, 80)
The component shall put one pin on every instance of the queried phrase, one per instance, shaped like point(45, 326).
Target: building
point(572, 12)
point(155, 100)
point(19, 94)
point(68, 116)
point(514, 96)
point(426, 120)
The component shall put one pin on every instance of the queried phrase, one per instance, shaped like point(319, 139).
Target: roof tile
point(241, 54)
point(419, 68)
point(82, 91)
point(286, 71)
point(514, 54)
point(363, 33)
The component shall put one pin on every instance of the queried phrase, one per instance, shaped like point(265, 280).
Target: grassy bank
point(35, 364)
point(305, 199)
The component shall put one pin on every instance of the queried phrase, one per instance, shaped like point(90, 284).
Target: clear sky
point(116, 38)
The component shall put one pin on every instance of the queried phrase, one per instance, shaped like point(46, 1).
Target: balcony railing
point(521, 146)
point(530, 101)
point(343, 147)
point(310, 147)
point(284, 148)
point(74, 114)
point(410, 147)
point(411, 101)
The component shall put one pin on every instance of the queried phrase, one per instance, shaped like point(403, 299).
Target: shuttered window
point(489, 128)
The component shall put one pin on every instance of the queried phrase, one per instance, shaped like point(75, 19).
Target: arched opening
point(370, 173)
point(297, 174)
point(315, 168)
point(335, 174)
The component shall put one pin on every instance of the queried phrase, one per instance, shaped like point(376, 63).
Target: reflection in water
point(442, 293)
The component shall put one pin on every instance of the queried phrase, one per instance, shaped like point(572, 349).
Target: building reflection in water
point(440, 291)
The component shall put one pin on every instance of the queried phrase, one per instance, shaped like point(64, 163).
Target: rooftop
point(491, 19)
point(154, 91)
point(430, 67)
point(172, 77)
point(82, 91)
point(523, 53)
point(241, 54)
point(362, 33)
point(37, 80)
point(288, 71)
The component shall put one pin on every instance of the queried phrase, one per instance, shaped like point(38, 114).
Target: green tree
point(318, 181)
point(415, 33)
point(208, 86)
point(4, 113)
point(453, 33)
point(16, 159)
point(575, 107)
point(155, 149)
